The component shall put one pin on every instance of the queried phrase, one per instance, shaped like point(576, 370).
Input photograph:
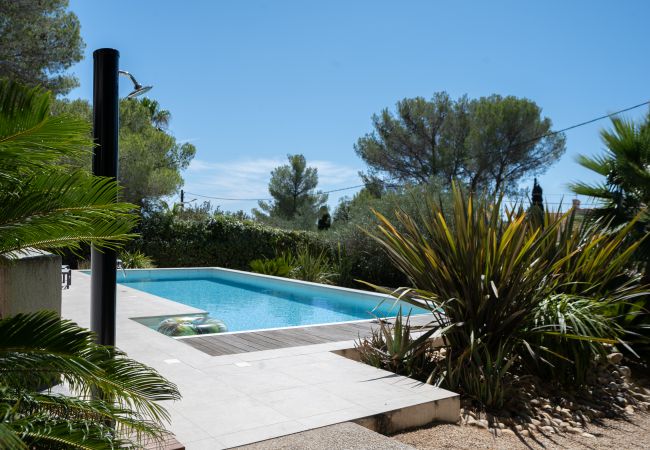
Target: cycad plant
point(111, 399)
point(106, 400)
point(43, 203)
point(486, 274)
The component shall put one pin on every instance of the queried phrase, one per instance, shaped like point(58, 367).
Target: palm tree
point(159, 117)
point(625, 190)
point(109, 399)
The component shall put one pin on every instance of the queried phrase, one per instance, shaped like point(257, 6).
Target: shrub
point(487, 278)
point(280, 266)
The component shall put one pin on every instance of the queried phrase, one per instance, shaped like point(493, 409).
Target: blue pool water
point(249, 302)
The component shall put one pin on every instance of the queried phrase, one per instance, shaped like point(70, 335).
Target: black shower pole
point(105, 164)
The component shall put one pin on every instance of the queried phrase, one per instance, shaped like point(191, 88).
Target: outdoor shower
point(138, 89)
point(105, 163)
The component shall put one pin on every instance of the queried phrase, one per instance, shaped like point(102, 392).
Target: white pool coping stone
point(244, 398)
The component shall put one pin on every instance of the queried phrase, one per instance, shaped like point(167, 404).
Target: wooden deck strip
point(261, 337)
point(283, 341)
point(300, 335)
point(244, 342)
point(336, 333)
point(211, 347)
point(297, 339)
point(228, 344)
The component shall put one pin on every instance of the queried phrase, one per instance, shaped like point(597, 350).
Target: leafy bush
point(393, 348)
point(280, 266)
point(487, 278)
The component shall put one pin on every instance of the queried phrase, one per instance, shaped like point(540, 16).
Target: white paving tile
point(304, 401)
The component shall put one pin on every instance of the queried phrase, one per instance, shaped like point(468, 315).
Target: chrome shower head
point(138, 89)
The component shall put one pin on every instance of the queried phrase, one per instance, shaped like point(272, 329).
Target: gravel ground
point(633, 433)
point(344, 436)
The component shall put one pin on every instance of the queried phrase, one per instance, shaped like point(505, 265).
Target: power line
point(549, 134)
point(229, 199)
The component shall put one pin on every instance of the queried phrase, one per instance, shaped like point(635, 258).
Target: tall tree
point(486, 143)
point(39, 41)
point(151, 160)
point(537, 198)
point(293, 188)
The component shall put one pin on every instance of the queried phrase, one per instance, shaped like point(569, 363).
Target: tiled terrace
point(257, 394)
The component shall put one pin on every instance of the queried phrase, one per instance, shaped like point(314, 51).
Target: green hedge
point(228, 242)
point(223, 241)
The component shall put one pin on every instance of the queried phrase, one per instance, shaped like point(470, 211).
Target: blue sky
point(248, 82)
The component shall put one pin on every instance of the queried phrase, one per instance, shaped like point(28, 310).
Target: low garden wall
point(30, 283)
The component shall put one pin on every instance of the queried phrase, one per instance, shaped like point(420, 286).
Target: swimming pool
point(245, 301)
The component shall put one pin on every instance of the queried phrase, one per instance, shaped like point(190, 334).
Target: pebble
point(574, 430)
point(482, 423)
point(548, 429)
point(588, 435)
point(615, 358)
point(625, 371)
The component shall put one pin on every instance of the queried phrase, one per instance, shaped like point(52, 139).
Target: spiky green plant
point(280, 266)
point(485, 279)
point(44, 205)
point(393, 347)
point(315, 267)
point(135, 260)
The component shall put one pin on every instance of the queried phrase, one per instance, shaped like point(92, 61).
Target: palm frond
point(39, 349)
point(63, 210)
point(31, 138)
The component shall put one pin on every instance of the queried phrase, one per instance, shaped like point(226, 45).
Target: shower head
point(138, 89)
